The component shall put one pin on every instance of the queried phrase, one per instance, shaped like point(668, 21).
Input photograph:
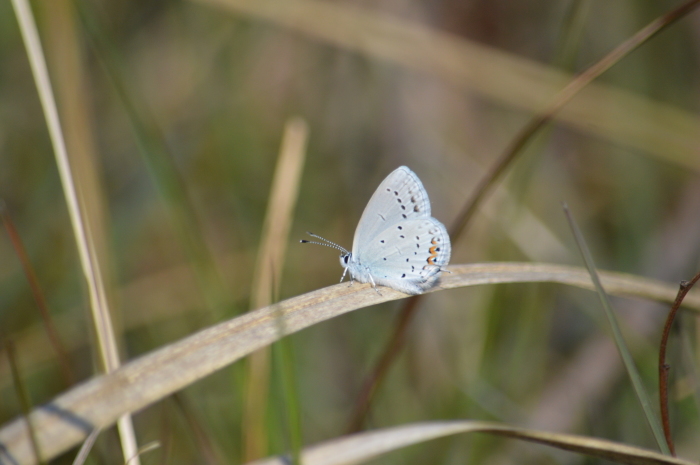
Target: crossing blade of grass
point(642, 395)
point(66, 420)
point(361, 447)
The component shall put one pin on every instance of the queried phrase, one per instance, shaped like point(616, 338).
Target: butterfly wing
point(400, 197)
point(408, 255)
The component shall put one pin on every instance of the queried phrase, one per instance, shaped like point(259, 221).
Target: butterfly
point(397, 243)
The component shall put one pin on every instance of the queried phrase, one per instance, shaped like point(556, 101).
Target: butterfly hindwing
point(407, 256)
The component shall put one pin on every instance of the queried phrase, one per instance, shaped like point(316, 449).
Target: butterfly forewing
point(400, 197)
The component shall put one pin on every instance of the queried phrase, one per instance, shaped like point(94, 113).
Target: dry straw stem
point(106, 342)
point(69, 418)
point(664, 131)
point(358, 448)
point(268, 274)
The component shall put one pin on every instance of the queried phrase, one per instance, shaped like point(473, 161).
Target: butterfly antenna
point(325, 242)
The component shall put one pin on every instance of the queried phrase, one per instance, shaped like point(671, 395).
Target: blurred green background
point(179, 108)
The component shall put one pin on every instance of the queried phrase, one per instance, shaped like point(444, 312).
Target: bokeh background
point(174, 113)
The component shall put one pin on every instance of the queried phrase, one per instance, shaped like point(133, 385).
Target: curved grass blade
point(69, 418)
point(358, 448)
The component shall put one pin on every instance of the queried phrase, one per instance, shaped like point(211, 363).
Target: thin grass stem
point(627, 359)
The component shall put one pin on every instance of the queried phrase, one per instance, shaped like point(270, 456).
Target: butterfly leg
point(374, 285)
point(352, 280)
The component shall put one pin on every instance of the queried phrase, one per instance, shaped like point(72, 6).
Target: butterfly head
point(345, 258)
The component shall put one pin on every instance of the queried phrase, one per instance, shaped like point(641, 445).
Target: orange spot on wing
point(433, 251)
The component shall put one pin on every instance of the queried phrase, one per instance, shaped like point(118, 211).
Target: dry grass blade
point(268, 275)
point(69, 418)
point(667, 132)
point(615, 283)
point(101, 320)
point(361, 447)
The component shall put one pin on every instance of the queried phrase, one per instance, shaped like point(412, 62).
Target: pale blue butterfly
point(397, 243)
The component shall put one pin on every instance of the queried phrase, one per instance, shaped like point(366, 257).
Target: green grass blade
point(284, 355)
point(642, 395)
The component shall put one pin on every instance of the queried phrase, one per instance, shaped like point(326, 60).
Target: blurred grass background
point(178, 110)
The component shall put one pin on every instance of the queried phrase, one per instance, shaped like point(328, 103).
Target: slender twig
point(526, 134)
point(39, 298)
point(685, 287)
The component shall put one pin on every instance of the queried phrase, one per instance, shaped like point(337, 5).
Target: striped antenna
point(325, 242)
